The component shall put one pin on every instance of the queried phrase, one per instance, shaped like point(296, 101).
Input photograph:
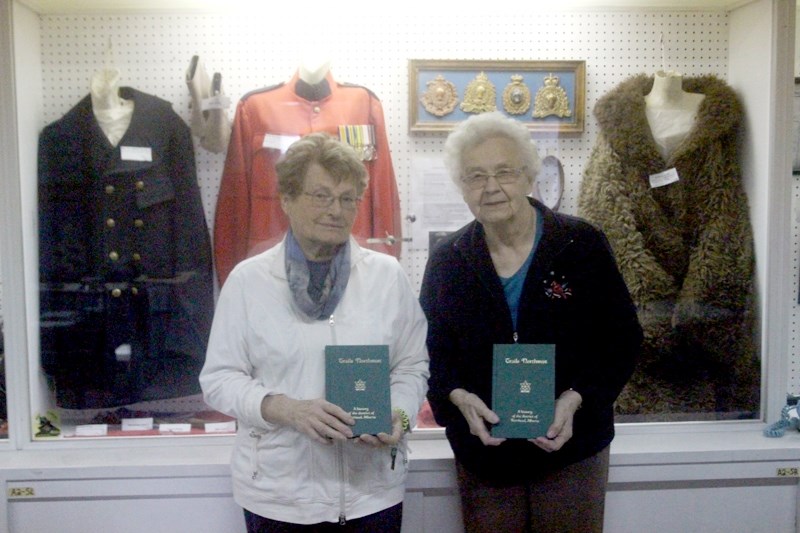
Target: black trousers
point(386, 521)
point(570, 500)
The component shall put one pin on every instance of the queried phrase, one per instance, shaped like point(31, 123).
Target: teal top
point(512, 287)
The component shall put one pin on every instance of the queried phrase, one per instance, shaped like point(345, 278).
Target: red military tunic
point(249, 217)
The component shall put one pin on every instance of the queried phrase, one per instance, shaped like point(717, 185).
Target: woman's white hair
point(479, 128)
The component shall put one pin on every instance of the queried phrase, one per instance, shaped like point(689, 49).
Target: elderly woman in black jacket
point(520, 273)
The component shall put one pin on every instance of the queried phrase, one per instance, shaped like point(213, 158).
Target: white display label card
point(136, 153)
point(664, 178)
point(279, 142)
point(221, 427)
point(137, 424)
point(91, 430)
point(219, 101)
point(174, 428)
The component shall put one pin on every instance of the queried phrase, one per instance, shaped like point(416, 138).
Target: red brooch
point(557, 289)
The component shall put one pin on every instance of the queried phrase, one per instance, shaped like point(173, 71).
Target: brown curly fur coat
point(685, 250)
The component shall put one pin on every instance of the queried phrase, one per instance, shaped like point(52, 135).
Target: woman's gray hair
point(337, 158)
point(479, 128)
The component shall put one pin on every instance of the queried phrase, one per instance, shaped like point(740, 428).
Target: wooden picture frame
point(546, 96)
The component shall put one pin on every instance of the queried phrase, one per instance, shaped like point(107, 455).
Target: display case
point(54, 48)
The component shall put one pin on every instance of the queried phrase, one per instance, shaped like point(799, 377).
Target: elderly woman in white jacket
point(296, 462)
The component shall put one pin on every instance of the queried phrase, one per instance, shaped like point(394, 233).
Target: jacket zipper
point(332, 323)
point(340, 454)
point(339, 445)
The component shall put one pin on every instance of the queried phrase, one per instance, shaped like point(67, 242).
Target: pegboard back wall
point(153, 52)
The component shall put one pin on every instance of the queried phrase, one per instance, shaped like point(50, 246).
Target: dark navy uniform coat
point(125, 258)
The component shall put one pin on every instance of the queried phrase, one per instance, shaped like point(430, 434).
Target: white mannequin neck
point(671, 112)
point(313, 69)
point(668, 93)
point(105, 90)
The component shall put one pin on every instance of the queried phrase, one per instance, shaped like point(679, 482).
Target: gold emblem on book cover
point(516, 96)
point(480, 95)
point(440, 97)
point(551, 100)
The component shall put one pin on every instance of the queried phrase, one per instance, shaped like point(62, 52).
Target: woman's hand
point(320, 420)
point(560, 431)
point(384, 439)
point(477, 414)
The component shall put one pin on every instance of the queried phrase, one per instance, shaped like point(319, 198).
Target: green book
point(357, 380)
point(523, 389)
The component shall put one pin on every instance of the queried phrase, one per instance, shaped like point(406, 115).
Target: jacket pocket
point(154, 190)
point(277, 465)
point(72, 330)
point(370, 469)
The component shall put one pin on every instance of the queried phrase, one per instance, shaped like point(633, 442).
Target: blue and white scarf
point(297, 271)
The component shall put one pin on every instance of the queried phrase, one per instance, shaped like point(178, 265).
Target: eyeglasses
point(320, 199)
point(504, 176)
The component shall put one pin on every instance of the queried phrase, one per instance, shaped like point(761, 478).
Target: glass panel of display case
point(151, 188)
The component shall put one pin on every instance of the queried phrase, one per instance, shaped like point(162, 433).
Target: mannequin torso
point(671, 111)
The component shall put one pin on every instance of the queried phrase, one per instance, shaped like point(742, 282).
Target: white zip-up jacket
point(261, 345)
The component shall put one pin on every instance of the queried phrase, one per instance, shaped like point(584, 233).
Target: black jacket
point(125, 258)
point(573, 297)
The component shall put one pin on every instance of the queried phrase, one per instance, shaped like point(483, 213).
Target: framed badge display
point(546, 96)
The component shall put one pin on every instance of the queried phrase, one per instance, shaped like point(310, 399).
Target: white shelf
point(659, 456)
point(85, 6)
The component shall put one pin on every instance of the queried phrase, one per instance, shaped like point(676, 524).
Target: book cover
point(357, 380)
point(523, 389)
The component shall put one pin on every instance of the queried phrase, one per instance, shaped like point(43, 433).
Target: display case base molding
point(673, 482)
